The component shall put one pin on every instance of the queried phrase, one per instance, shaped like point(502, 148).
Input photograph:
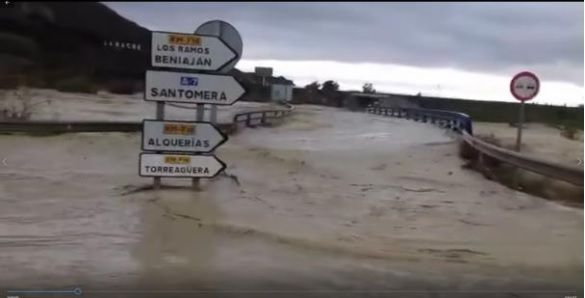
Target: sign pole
point(196, 184)
point(160, 115)
point(520, 124)
point(213, 113)
point(524, 86)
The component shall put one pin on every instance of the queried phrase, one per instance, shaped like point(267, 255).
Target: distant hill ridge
point(72, 37)
point(55, 41)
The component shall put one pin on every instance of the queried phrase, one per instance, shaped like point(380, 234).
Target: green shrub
point(18, 104)
point(570, 129)
point(569, 132)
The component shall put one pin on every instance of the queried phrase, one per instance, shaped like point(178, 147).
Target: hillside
point(56, 40)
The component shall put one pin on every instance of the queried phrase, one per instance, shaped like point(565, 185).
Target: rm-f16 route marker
point(193, 52)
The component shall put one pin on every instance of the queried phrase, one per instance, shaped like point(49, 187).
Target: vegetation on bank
point(519, 179)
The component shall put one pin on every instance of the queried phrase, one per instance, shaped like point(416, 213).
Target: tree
point(330, 86)
point(368, 88)
point(314, 86)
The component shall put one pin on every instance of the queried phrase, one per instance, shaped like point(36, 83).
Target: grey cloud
point(486, 37)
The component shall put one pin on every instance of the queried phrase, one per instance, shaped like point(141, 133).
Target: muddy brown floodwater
point(330, 203)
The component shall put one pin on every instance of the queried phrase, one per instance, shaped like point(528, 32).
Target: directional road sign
point(188, 51)
point(180, 136)
point(179, 165)
point(192, 88)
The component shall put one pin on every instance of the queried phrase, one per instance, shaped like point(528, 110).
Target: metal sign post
point(524, 87)
point(160, 115)
point(199, 117)
point(520, 124)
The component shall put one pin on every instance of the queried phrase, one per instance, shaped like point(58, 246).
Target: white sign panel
point(177, 50)
point(192, 88)
point(180, 136)
point(179, 165)
point(524, 86)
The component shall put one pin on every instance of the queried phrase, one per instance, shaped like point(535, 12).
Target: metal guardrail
point(572, 175)
point(262, 115)
point(451, 120)
point(462, 124)
point(69, 126)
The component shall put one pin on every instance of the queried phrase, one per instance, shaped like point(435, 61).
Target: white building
point(281, 92)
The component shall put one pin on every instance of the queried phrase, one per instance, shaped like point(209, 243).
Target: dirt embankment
point(540, 141)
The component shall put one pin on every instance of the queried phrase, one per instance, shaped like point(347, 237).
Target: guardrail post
point(248, 120)
point(263, 119)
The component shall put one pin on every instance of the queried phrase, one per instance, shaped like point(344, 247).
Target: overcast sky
point(434, 48)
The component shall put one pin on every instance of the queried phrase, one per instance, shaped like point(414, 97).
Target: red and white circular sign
point(524, 86)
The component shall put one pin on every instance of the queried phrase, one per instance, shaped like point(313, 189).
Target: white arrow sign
point(192, 88)
point(179, 165)
point(177, 50)
point(180, 136)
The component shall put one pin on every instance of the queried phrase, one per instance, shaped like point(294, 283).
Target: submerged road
point(328, 203)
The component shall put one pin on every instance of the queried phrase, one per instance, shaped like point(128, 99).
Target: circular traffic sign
point(226, 32)
point(524, 86)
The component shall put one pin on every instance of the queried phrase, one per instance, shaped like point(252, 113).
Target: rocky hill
point(79, 46)
point(59, 40)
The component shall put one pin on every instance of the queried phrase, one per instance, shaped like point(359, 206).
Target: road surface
point(328, 203)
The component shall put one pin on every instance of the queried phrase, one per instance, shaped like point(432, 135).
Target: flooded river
point(329, 203)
